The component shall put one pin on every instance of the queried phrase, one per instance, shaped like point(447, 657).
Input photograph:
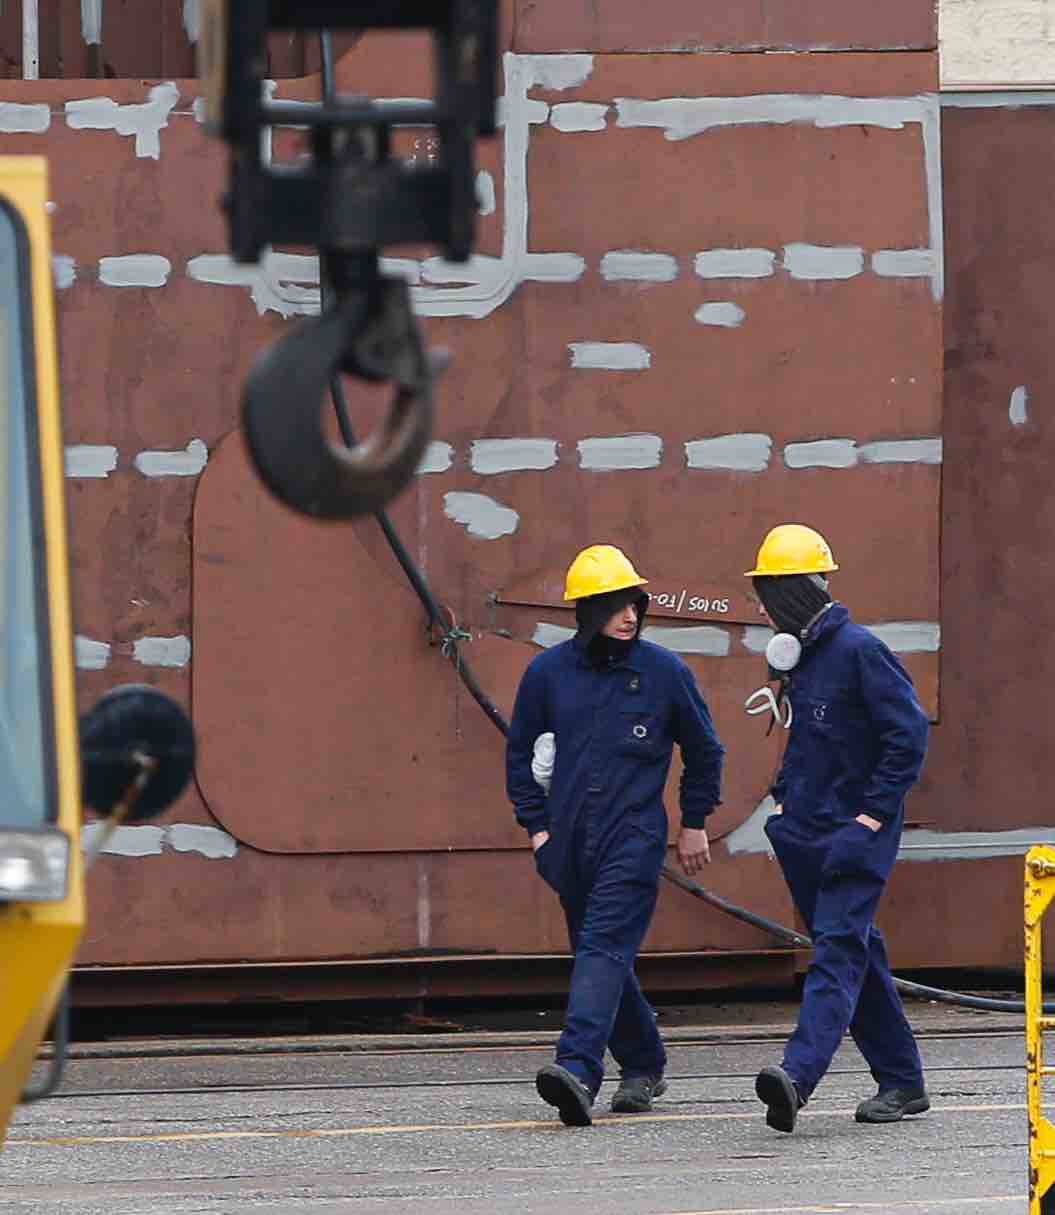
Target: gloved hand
point(543, 760)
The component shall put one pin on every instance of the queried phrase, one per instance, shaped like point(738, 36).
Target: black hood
point(792, 601)
point(594, 612)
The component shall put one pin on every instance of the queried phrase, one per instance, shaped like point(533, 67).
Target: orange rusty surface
point(328, 726)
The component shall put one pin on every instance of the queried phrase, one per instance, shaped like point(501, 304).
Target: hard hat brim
point(608, 590)
point(760, 573)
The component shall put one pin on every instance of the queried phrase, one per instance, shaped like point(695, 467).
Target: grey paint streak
point(930, 125)
point(92, 21)
point(91, 655)
point(162, 651)
point(620, 452)
point(206, 841)
point(482, 516)
point(738, 453)
point(274, 286)
point(684, 117)
point(86, 460)
point(134, 270)
point(749, 836)
point(999, 99)
point(485, 193)
point(902, 451)
point(490, 456)
point(919, 844)
point(632, 265)
point(822, 453)
point(610, 356)
point(546, 636)
point(1018, 409)
point(18, 119)
point(735, 263)
point(817, 262)
point(188, 463)
point(438, 458)
point(756, 637)
point(570, 116)
point(143, 121)
point(136, 842)
point(700, 639)
point(903, 263)
point(553, 267)
point(909, 636)
point(63, 271)
point(723, 314)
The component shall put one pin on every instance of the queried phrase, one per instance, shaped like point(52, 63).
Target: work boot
point(777, 1092)
point(558, 1086)
point(635, 1093)
point(892, 1104)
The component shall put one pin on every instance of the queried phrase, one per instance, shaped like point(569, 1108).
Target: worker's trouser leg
point(605, 1005)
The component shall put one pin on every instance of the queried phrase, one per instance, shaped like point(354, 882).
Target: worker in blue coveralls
point(614, 706)
point(856, 743)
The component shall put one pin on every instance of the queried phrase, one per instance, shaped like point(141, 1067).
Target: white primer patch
point(573, 116)
point(552, 267)
point(19, 119)
point(909, 636)
point(187, 463)
point(558, 72)
point(724, 314)
point(482, 516)
point(90, 655)
point(903, 263)
point(822, 453)
point(546, 636)
point(486, 198)
point(749, 836)
point(756, 637)
point(924, 844)
point(63, 271)
point(620, 452)
point(610, 356)
point(126, 841)
point(89, 460)
point(737, 453)
point(92, 21)
point(162, 651)
point(490, 456)
point(424, 904)
point(192, 19)
point(274, 285)
point(698, 639)
point(438, 458)
point(1018, 409)
point(144, 121)
point(632, 265)
point(135, 270)
point(817, 262)
point(902, 451)
point(735, 263)
point(209, 842)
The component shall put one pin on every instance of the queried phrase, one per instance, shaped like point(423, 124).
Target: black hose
point(449, 644)
point(60, 1033)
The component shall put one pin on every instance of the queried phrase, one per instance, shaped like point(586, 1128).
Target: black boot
point(892, 1104)
point(776, 1090)
point(634, 1095)
point(558, 1086)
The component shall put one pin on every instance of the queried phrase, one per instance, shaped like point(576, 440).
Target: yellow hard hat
point(599, 569)
point(793, 549)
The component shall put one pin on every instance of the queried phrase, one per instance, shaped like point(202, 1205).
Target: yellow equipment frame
point(1040, 890)
point(38, 940)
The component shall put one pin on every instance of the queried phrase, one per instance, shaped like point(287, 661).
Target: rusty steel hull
point(619, 375)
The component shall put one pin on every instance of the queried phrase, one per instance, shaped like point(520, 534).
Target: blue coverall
point(614, 728)
point(857, 743)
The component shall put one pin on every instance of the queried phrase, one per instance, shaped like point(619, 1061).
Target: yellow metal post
point(1040, 890)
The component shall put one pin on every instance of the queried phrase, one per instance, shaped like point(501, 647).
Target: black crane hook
point(369, 332)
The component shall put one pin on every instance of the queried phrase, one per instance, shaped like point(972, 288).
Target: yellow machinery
point(1040, 890)
point(134, 751)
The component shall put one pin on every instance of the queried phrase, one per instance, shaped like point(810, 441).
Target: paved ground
point(451, 1125)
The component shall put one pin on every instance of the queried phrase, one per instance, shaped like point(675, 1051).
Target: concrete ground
point(450, 1124)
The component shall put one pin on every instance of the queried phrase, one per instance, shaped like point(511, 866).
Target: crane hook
point(368, 332)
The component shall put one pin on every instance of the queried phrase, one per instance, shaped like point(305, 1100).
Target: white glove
point(543, 759)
